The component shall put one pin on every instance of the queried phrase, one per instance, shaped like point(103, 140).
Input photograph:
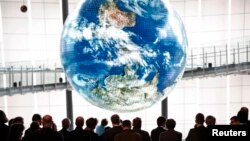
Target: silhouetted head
point(170, 123)
point(234, 120)
point(3, 118)
point(104, 122)
point(161, 121)
point(115, 119)
point(16, 132)
point(210, 120)
point(242, 116)
point(126, 124)
point(37, 117)
point(47, 121)
point(91, 123)
point(66, 123)
point(199, 118)
point(107, 128)
point(245, 109)
point(18, 120)
point(79, 121)
point(137, 123)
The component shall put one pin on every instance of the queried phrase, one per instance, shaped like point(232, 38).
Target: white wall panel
point(247, 21)
point(237, 6)
point(247, 36)
point(246, 94)
point(12, 9)
point(2, 103)
point(212, 38)
point(237, 22)
point(190, 83)
point(212, 82)
point(245, 104)
point(54, 26)
point(193, 39)
point(247, 5)
point(191, 8)
point(236, 36)
point(176, 96)
point(213, 95)
point(45, 46)
point(234, 108)
point(191, 24)
point(176, 111)
point(53, 11)
point(246, 80)
point(57, 98)
point(15, 25)
point(214, 7)
point(235, 94)
point(19, 100)
point(24, 112)
point(43, 99)
point(180, 84)
point(190, 112)
point(38, 26)
point(218, 111)
point(214, 23)
point(236, 80)
point(179, 7)
point(15, 42)
point(37, 10)
point(58, 113)
point(190, 95)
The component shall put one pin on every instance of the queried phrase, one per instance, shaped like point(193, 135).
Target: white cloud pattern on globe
point(123, 55)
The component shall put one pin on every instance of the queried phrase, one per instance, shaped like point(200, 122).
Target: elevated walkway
point(242, 68)
point(19, 80)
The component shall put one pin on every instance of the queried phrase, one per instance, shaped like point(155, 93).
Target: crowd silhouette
point(42, 128)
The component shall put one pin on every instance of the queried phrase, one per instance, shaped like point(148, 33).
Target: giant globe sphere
point(123, 55)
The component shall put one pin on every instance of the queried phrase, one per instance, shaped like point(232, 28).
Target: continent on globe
point(127, 87)
point(110, 13)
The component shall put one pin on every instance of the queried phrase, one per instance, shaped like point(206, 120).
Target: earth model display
point(123, 55)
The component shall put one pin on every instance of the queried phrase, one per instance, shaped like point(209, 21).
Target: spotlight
point(23, 8)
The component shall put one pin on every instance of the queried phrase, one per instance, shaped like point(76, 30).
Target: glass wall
point(33, 39)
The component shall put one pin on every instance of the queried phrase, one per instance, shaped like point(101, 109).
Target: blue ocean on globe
point(123, 55)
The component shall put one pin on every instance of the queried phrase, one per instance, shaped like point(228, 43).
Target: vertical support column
point(164, 107)
point(69, 106)
point(65, 10)
point(69, 102)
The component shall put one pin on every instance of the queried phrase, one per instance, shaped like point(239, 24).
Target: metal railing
point(217, 57)
point(204, 62)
